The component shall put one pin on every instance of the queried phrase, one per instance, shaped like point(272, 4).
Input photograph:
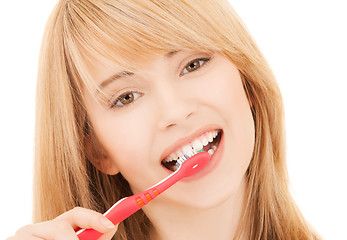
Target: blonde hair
point(127, 33)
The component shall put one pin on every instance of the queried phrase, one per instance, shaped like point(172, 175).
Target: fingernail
point(107, 223)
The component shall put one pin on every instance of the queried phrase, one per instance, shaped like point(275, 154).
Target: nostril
point(173, 124)
point(170, 125)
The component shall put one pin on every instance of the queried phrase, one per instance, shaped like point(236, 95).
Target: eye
point(125, 99)
point(194, 65)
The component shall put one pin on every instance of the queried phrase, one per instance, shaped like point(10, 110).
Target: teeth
point(187, 150)
point(204, 140)
point(174, 167)
point(211, 151)
point(194, 147)
point(197, 145)
point(169, 159)
point(179, 154)
point(210, 137)
point(173, 156)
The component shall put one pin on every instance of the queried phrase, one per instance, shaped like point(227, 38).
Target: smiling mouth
point(208, 141)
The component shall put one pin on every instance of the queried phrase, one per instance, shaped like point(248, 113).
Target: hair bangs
point(131, 34)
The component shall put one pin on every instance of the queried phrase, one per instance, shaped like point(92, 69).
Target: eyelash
point(205, 60)
point(114, 104)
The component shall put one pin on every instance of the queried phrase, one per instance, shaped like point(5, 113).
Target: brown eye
point(125, 99)
point(194, 65)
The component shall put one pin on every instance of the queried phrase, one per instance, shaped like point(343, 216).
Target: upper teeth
point(195, 146)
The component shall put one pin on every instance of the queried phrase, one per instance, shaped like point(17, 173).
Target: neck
point(219, 222)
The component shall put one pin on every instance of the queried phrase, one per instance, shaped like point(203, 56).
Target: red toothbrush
point(129, 205)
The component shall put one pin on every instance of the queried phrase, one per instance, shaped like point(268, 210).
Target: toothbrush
point(125, 207)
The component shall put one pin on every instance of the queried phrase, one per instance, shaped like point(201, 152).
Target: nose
point(174, 107)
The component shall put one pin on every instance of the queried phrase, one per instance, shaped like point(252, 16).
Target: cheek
point(225, 94)
point(229, 101)
point(123, 140)
point(239, 122)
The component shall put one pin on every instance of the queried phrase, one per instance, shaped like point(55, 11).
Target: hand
point(63, 227)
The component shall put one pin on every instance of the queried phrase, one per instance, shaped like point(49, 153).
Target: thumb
point(110, 234)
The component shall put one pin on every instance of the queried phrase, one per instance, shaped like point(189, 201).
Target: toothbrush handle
point(120, 211)
point(129, 205)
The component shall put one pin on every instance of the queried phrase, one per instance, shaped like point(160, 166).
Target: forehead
point(104, 70)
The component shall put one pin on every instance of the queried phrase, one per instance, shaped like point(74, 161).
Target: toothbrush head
point(193, 164)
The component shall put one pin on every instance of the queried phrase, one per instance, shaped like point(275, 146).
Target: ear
point(96, 154)
point(105, 165)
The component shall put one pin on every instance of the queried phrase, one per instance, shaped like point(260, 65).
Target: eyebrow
point(127, 73)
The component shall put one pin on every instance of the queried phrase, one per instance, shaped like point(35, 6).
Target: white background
point(305, 44)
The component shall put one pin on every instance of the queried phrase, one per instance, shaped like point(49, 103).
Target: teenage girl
point(123, 87)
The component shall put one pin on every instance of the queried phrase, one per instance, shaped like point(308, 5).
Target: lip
point(185, 140)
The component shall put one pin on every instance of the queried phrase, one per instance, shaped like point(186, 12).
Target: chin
point(210, 197)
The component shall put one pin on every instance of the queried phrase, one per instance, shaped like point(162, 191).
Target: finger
point(24, 238)
point(109, 235)
point(86, 218)
point(63, 231)
point(58, 230)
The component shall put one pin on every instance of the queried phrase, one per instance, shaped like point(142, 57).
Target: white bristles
point(182, 159)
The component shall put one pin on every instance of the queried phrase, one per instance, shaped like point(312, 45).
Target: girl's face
point(169, 103)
